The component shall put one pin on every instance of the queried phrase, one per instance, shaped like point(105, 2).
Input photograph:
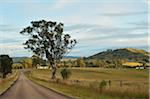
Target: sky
point(97, 25)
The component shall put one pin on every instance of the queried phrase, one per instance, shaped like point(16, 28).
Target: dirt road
point(25, 89)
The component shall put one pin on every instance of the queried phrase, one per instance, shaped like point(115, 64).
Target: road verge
point(37, 81)
point(8, 82)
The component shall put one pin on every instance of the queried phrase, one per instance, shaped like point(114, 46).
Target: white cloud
point(9, 49)
point(61, 4)
point(24, 1)
point(96, 31)
point(14, 50)
point(93, 20)
point(147, 1)
point(132, 41)
point(11, 46)
point(136, 32)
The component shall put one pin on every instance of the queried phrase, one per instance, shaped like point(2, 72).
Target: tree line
point(82, 62)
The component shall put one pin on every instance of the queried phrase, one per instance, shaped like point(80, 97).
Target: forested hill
point(131, 54)
point(18, 59)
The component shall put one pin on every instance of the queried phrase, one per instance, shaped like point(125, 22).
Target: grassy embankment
point(84, 82)
point(8, 81)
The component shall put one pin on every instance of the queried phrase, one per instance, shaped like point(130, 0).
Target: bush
point(65, 73)
point(102, 85)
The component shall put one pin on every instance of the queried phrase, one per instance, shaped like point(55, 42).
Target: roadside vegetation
point(5, 65)
point(7, 75)
point(8, 81)
point(97, 83)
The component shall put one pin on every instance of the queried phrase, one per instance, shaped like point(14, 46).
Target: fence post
point(120, 83)
point(109, 83)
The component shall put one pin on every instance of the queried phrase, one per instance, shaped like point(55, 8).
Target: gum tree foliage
point(46, 38)
point(35, 60)
point(65, 73)
point(5, 65)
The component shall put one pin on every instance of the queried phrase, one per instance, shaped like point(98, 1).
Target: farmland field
point(84, 82)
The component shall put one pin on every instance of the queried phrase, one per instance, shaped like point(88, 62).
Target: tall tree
point(5, 65)
point(46, 39)
point(35, 61)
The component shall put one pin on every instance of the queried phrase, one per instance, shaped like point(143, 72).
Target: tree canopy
point(5, 65)
point(46, 38)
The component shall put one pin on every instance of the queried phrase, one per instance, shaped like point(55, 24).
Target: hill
point(18, 59)
point(130, 54)
point(72, 57)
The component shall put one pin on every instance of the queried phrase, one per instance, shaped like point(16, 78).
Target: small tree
point(81, 62)
point(5, 65)
point(65, 73)
point(102, 85)
point(47, 39)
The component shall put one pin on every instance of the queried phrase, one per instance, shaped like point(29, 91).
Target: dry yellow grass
point(8, 81)
point(132, 64)
point(134, 83)
point(138, 51)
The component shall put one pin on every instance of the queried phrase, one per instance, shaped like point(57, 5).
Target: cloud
point(8, 41)
point(147, 1)
point(11, 46)
point(92, 37)
point(126, 7)
point(8, 28)
point(98, 30)
point(14, 50)
point(7, 49)
point(123, 14)
point(97, 25)
point(24, 1)
point(79, 26)
point(10, 35)
point(143, 23)
point(62, 3)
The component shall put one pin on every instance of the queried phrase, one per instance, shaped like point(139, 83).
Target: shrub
point(94, 84)
point(102, 85)
point(65, 73)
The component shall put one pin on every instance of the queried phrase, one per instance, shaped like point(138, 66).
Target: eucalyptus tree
point(5, 65)
point(46, 39)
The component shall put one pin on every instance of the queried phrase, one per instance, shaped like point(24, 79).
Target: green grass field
point(84, 82)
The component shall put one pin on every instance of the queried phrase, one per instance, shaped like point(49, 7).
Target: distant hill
point(130, 54)
point(71, 57)
point(18, 59)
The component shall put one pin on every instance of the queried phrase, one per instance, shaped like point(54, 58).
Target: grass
point(8, 81)
point(97, 74)
point(135, 83)
point(132, 64)
point(78, 92)
point(138, 51)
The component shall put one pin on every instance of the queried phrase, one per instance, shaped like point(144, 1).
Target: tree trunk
point(54, 71)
